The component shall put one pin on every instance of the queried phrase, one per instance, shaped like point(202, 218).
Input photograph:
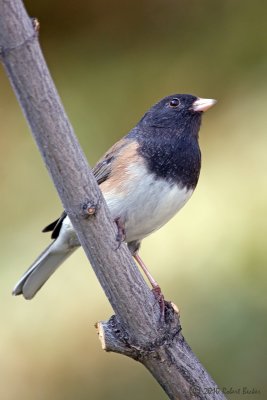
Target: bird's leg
point(134, 247)
point(121, 231)
point(155, 286)
point(154, 283)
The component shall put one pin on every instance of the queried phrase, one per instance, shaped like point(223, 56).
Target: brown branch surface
point(136, 330)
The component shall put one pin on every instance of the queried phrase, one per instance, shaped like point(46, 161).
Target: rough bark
point(136, 330)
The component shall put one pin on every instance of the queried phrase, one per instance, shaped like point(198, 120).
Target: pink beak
point(203, 104)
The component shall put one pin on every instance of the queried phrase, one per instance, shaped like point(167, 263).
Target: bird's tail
point(43, 267)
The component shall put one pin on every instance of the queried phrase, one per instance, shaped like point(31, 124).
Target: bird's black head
point(177, 113)
point(167, 136)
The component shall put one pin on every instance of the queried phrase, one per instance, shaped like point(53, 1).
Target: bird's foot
point(121, 232)
point(160, 300)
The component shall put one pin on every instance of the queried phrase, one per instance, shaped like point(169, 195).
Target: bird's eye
point(175, 102)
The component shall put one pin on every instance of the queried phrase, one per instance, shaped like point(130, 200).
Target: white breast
point(146, 204)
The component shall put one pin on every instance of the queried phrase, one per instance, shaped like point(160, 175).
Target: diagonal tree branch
point(136, 330)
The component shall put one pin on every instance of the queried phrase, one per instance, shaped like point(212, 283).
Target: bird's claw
point(160, 300)
point(121, 232)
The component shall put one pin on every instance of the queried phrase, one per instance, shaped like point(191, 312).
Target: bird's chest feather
point(146, 202)
point(177, 160)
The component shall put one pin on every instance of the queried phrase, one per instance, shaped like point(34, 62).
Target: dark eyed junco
point(145, 178)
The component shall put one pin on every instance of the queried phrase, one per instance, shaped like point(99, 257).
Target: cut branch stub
point(115, 338)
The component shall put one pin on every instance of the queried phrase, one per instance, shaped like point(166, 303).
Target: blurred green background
point(111, 60)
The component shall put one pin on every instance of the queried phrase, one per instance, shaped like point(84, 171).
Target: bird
point(145, 178)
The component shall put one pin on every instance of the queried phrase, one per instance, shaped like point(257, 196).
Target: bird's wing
point(101, 171)
point(103, 168)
